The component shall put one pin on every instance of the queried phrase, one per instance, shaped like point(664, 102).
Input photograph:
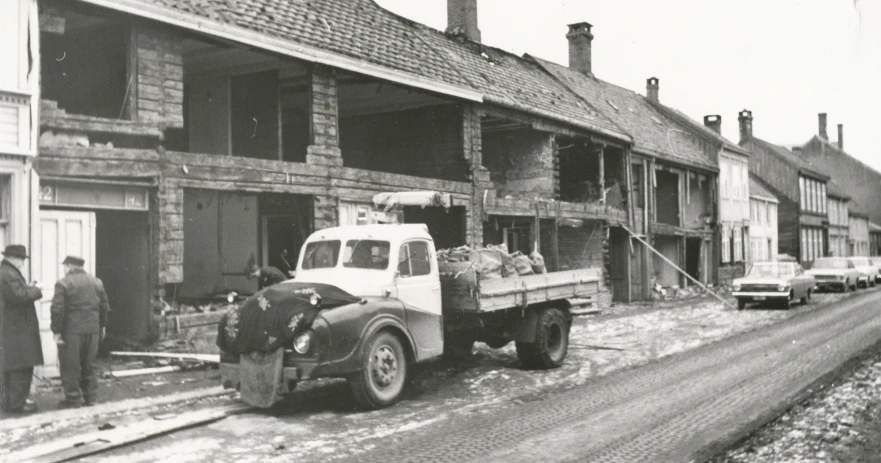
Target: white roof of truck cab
point(386, 232)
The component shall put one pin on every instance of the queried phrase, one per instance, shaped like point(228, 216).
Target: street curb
point(40, 419)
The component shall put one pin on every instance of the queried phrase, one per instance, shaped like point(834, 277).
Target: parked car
point(876, 262)
point(868, 272)
point(837, 273)
point(782, 282)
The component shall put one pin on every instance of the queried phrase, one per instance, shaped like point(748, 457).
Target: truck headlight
point(737, 287)
point(782, 288)
point(302, 343)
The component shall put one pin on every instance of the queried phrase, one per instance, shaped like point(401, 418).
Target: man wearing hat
point(79, 315)
point(266, 276)
point(20, 348)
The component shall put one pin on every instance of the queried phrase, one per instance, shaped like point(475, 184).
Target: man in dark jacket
point(266, 276)
point(79, 315)
point(20, 349)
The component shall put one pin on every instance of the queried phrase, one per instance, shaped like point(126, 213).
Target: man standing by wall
point(21, 349)
point(79, 315)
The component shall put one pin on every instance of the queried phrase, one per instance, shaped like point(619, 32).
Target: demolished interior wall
point(521, 163)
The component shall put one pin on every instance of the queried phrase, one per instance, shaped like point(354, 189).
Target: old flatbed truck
point(417, 309)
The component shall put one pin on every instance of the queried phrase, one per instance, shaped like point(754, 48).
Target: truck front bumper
point(230, 374)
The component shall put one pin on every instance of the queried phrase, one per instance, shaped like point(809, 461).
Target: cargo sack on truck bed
point(487, 263)
point(522, 264)
point(275, 315)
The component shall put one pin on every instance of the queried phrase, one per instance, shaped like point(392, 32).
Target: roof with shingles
point(654, 133)
point(363, 30)
point(697, 126)
point(758, 190)
point(517, 82)
point(754, 143)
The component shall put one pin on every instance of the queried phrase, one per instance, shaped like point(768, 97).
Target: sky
point(785, 60)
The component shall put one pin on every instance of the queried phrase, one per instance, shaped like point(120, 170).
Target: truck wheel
point(382, 380)
point(551, 342)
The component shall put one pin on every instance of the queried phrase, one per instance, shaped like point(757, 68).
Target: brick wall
point(586, 247)
point(170, 245)
point(521, 163)
point(324, 149)
point(472, 151)
point(156, 70)
point(424, 142)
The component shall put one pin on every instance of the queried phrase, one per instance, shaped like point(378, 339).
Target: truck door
point(418, 285)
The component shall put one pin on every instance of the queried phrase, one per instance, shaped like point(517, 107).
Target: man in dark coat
point(21, 348)
point(266, 276)
point(79, 315)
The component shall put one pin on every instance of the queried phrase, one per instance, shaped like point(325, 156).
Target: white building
point(19, 100)
point(763, 223)
point(734, 213)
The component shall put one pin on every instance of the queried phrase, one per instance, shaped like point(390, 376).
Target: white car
point(876, 262)
point(781, 282)
point(868, 272)
point(837, 273)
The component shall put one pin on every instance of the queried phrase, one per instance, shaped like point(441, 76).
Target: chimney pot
point(841, 137)
point(462, 19)
point(714, 123)
point(651, 88)
point(745, 118)
point(822, 121)
point(580, 39)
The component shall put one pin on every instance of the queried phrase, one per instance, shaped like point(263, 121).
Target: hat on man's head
point(16, 250)
point(74, 260)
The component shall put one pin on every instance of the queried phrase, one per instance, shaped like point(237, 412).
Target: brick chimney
point(580, 37)
point(651, 88)
point(822, 120)
point(462, 19)
point(714, 123)
point(745, 118)
point(841, 137)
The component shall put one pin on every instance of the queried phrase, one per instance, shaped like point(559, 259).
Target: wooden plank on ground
point(211, 358)
point(101, 441)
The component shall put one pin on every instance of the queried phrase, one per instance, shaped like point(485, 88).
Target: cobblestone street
point(320, 423)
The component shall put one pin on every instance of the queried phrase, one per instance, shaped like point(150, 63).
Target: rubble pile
point(494, 261)
point(837, 424)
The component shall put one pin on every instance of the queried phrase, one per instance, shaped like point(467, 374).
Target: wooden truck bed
point(462, 290)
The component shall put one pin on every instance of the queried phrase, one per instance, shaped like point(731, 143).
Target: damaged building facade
point(181, 141)
point(673, 175)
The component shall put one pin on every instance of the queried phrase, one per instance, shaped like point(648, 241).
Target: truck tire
point(382, 380)
point(551, 342)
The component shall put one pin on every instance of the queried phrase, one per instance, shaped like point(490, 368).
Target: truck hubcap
point(384, 366)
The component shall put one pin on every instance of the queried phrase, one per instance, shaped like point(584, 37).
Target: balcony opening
point(521, 160)
point(389, 128)
point(667, 197)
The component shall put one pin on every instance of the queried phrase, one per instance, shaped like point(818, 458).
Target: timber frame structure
point(203, 149)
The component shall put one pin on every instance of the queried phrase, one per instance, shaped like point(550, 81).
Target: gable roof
point(801, 165)
point(654, 133)
point(757, 190)
point(699, 127)
point(519, 83)
point(361, 37)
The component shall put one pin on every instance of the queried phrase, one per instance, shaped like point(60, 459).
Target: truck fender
point(395, 326)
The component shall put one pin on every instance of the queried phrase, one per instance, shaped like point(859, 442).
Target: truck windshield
point(770, 269)
point(840, 264)
point(366, 254)
point(321, 254)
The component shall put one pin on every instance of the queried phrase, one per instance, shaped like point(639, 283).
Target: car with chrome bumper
point(868, 272)
point(835, 274)
point(779, 282)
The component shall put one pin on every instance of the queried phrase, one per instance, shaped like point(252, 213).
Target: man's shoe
point(68, 404)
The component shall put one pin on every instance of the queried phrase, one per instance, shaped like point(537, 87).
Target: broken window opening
point(580, 179)
point(521, 161)
point(390, 128)
point(667, 197)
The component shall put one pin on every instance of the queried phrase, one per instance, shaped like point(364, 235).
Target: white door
point(418, 285)
point(61, 233)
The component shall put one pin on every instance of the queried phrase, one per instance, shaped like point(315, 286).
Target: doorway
point(694, 258)
point(122, 257)
point(619, 271)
